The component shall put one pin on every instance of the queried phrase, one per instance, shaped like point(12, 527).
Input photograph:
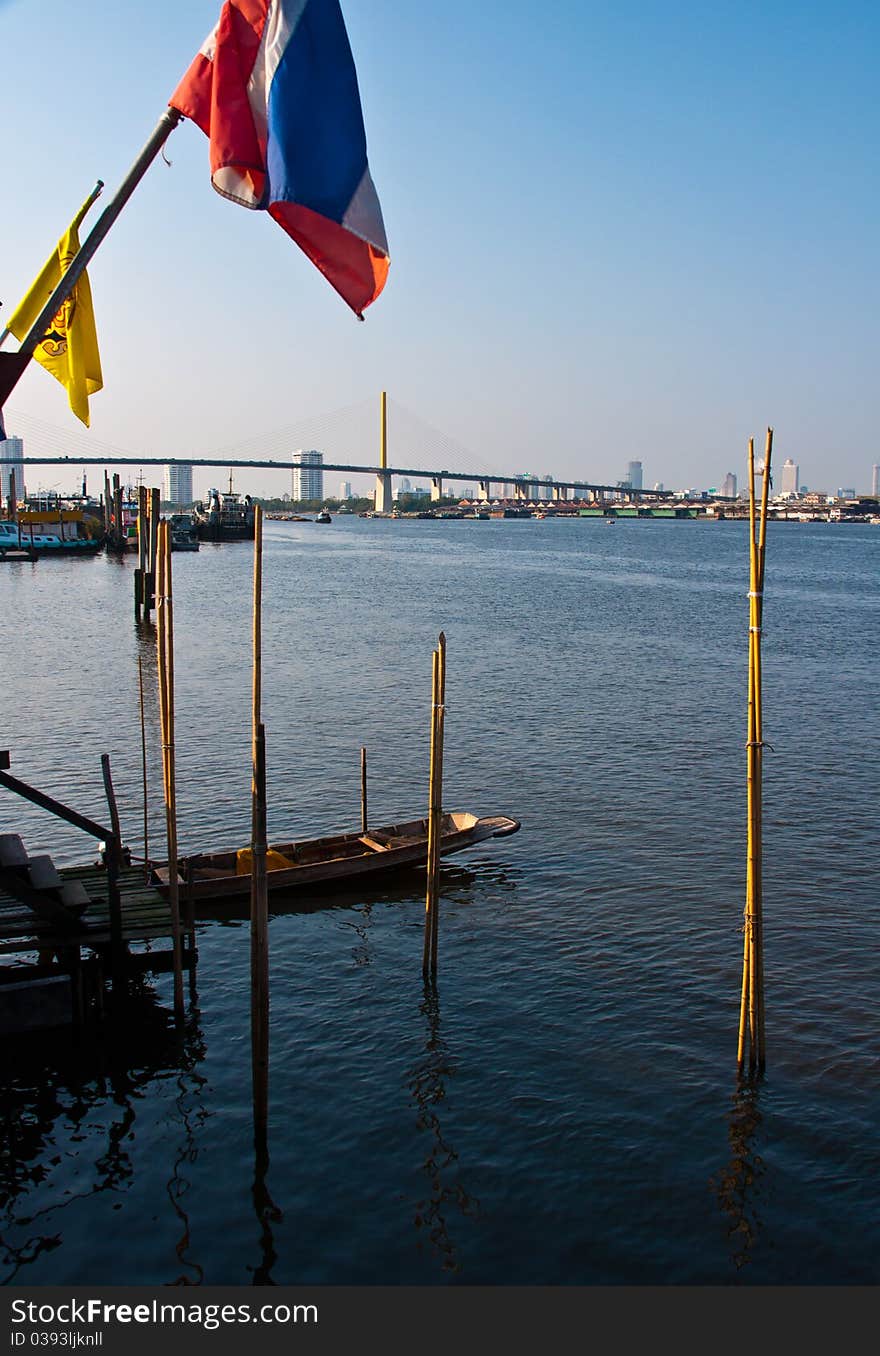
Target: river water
point(563, 1108)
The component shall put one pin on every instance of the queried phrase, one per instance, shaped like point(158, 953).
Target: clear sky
point(618, 231)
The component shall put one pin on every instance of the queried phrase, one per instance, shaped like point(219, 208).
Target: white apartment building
point(11, 463)
point(179, 485)
point(308, 478)
point(790, 479)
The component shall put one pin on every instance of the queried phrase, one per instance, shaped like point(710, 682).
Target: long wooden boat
point(337, 860)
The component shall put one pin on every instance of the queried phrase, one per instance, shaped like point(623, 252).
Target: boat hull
point(336, 860)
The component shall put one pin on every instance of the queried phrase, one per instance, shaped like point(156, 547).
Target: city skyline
point(665, 315)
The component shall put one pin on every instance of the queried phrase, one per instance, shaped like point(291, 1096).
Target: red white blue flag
point(275, 90)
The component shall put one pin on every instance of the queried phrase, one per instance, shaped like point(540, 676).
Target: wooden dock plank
point(146, 915)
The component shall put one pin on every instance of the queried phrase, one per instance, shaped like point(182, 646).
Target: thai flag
point(275, 90)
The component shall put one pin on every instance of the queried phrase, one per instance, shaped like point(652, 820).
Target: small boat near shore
point(184, 533)
point(333, 861)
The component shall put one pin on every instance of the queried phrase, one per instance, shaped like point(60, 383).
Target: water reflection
point(427, 1083)
point(59, 1093)
point(738, 1185)
point(267, 1213)
point(193, 1113)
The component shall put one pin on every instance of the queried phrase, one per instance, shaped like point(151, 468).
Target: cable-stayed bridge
point(349, 440)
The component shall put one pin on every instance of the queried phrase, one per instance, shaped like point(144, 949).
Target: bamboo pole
point(752, 991)
point(438, 800)
point(259, 890)
point(166, 700)
point(429, 891)
point(760, 1044)
point(435, 799)
point(363, 790)
point(259, 945)
point(144, 768)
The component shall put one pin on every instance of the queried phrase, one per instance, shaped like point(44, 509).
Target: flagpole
point(163, 129)
point(95, 193)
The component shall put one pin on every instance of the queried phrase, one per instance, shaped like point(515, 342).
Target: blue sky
point(618, 231)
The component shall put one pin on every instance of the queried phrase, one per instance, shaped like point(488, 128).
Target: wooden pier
point(58, 942)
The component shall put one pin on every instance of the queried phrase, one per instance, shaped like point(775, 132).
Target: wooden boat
point(337, 860)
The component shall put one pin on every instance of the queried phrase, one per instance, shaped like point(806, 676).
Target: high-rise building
point(308, 478)
point(846, 492)
point(345, 489)
point(179, 485)
point(404, 486)
point(634, 474)
point(728, 489)
point(11, 463)
point(791, 474)
point(875, 481)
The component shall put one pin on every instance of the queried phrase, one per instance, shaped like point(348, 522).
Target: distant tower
point(728, 489)
point(11, 463)
point(345, 489)
point(179, 485)
point(308, 478)
point(791, 474)
point(634, 474)
point(875, 481)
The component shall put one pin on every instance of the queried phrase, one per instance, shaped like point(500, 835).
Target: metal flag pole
point(164, 127)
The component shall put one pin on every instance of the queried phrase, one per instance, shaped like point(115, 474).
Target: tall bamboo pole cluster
point(435, 804)
point(751, 1015)
point(165, 626)
point(259, 886)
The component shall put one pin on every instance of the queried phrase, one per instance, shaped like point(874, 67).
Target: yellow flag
point(70, 349)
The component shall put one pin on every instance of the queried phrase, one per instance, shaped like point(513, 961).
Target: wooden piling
point(165, 620)
point(259, 891)
point(751, 1020)
point(117, 512)
point(152, 551)
point(140, 572)
point(435, 807)
point(363, 790)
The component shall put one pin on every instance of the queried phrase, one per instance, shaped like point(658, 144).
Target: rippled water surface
point(563, 1108)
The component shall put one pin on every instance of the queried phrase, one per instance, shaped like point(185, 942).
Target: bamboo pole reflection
point(193, 1113)
point(427, 1083)
point(738, 1185)
point(267, 1213)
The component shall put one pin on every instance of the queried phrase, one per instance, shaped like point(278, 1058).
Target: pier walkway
point(57, 942)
